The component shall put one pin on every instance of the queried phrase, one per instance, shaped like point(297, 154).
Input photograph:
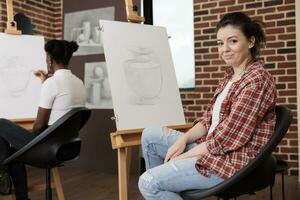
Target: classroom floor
point(92, 185)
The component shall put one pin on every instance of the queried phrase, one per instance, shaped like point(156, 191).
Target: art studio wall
point(46, 16)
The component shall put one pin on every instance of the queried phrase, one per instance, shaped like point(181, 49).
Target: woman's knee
point(151, 134)
point(148, 185)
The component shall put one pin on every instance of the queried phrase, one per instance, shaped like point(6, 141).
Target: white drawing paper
point(141, 74)
point(20, 55)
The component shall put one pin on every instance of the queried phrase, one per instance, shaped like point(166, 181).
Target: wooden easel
point(132, 13)
point(124, 140)
point(11, 28)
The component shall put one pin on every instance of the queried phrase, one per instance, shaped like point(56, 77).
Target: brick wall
point(279, 57)
point(45, 15)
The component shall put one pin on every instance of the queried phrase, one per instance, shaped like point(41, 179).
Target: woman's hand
point(198, 150)
point(176, 149)
point(43, 75)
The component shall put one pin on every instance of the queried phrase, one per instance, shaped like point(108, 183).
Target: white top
point(217, 107)
point(62, 92)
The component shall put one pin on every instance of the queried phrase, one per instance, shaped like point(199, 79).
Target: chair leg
point(271, 192)
point(48, 184)
point(58, 185)
point(282, 184)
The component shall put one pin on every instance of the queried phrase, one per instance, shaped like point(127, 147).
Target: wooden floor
point(92, 185)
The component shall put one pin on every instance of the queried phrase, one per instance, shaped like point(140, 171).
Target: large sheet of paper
point(141, 75)
point(19, 88)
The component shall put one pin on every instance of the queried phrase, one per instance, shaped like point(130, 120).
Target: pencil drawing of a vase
point(14, 76)
point(143, 75)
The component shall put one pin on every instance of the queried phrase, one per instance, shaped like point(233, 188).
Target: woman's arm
point(196, 132)
point(198, 150)
point(41, 122)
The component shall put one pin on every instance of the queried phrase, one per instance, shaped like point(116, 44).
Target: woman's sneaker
point(5, 182)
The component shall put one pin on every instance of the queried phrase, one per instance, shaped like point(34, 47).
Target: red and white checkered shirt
point(246, 122)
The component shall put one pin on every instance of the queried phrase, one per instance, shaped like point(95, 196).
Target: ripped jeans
point(163, 181)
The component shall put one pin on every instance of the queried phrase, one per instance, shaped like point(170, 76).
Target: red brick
point(217, 10)
point(286, 64)
point(287, 79)
point(289, 150)
point(266, 10)
point(291, 71)
point(284, 8)
point(274, 16)
point(209, 5)
point(275, 44)
point(291, 29)
point(293, 142)
point(235, 8)
point(292, 85)
point(202, 75)
point(287, 36)
point(226, 3)
point(287, 92)
point(275, 58)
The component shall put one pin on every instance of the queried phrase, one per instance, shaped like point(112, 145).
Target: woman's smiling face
point(233, 46)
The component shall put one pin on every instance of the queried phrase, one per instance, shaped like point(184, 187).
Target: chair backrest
point(58, 143)
point(283, 121)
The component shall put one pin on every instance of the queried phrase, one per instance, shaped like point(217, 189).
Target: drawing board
point(20, 55)
point(141, 74)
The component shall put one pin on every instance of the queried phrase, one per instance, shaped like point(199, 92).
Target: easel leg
point(58, 185)
point(122, 171)
point(128, 162)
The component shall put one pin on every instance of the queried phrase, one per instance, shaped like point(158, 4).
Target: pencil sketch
point(14, 75)
point(19, 88)
point(83, 27)
point(143, 75)
point(97, 86)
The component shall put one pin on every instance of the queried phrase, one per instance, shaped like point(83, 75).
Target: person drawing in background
point(238, 121)
point(61, 91)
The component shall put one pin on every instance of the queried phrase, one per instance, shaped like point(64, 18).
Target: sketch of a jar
point(15, 79)
point(144, 77)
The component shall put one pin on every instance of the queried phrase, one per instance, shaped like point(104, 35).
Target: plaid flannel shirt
point(246, 122)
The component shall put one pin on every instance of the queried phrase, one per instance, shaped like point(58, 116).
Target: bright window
point(178, 17)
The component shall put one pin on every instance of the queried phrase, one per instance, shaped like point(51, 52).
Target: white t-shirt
point(217, 107)
point(62, 92)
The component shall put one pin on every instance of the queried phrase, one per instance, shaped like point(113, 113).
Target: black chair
point(257, 175)
point(60, 142)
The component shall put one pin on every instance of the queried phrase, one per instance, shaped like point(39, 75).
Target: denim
point(13, 138)
point(163, 181)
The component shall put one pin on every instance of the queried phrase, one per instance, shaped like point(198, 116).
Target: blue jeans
point(163, 181)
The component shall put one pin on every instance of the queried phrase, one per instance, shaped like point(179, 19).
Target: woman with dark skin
point(61, 91)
